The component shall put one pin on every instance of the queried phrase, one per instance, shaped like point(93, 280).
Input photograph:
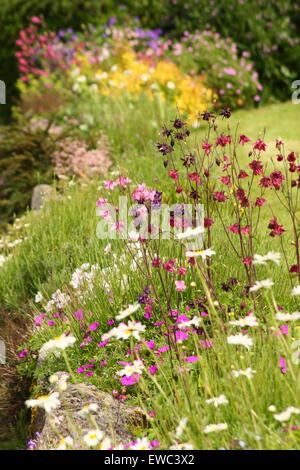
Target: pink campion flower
point(23, 353)
point(173, 174)
point(246, 230)
point(127, 381)
point(282, 365)
point(164, 349)
point(260, 145)
point(86, 341)
point(225, 180)
point(118, 226)
point(102, 344)
point(79, 315)
point(101, 202)
point(276, 228)
point(123, 181)
point(247, 261)
point(219, 196)
point(284, 329)
point(103, 363)
point(206, 146)
point(156, 443)
point(142, 194)
point(109, 184)
point(208, 222)
point(93, 326)
point(260, 201)
point(150, 344)
point(180, 286)
point(110, 321)
point(153, 370)
point(256, 166)
point(182, 271)
point(105, 214)
point(191, 359)
point(152, 413)
point(51, 323)
point(181, 336)
point(35, 20)
point(38, 321)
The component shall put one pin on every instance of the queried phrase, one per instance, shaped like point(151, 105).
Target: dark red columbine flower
point(260, 201)
point(225, 180)
point(279, 157)
point(223, 140)
point(294, 269)
point(241, 195)
point(260, 145)
point(167, 132)
point(169, 265)
point(207, 115)
point(235, 228)
point(206, 173)
point(178, 123)
point(219, 196)
point(292, 167)
point(265, 182)
point(179, 189)
point(173, 174)
point(242, 174)
point(279, 143)
point(194, 177)
point(276, 179)
point(243, 139)
point(208, 222)
point(206, 146)
point(156, 262)
point(164, 148)
point(256, 166)
point(226, 112)
point(276, 228)
point(291, 157)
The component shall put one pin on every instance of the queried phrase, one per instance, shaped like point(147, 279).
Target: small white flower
point(171, 85)
point(181, 427)
point(215, 427)
point(296, 290)
point(134, 329)
point(92, 438)
point(141, 444)
point(286, 415)
point(266, 284)
point(190, 232)
point(128, 311)
point(39, 297)
point(272, 408)
point(56, 345)
point(287, 316)
point(195, 321)
point(65, 443)
point(247, 373)
point(182, 446)
point(250, 320)
point(86, 409)
point(47, 402)
point(216, 401)
point(129, 370)
point(270, 256)
point(203, 253)
point(240, 339)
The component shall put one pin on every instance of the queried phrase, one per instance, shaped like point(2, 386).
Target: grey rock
point(41, 192)
point(116, 420)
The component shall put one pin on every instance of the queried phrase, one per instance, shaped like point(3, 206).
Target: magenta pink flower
point(153, 370)
point(260, 145)
point(206, 146)
point(244, 139)
point(180, 286)
point(191, 359)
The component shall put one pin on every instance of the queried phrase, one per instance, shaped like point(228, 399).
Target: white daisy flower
point(136, 368)
point(296, 290)
point(47, 402)
point(216, 401)
point(202, 253)
point(270, 256)
point(195, 321)
point(141, 444)
point(134, 329)
point(287, 316)
point(215, 427)
point(56, 345)
point(266, 284)
point(250, 320)
point(128, 311)
point(38, 297)
point(286, 415)
point(247, 373)
point(240, 339)
point(181, 427)
point(65, 443)
point(190, 232)
point(93, 437)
